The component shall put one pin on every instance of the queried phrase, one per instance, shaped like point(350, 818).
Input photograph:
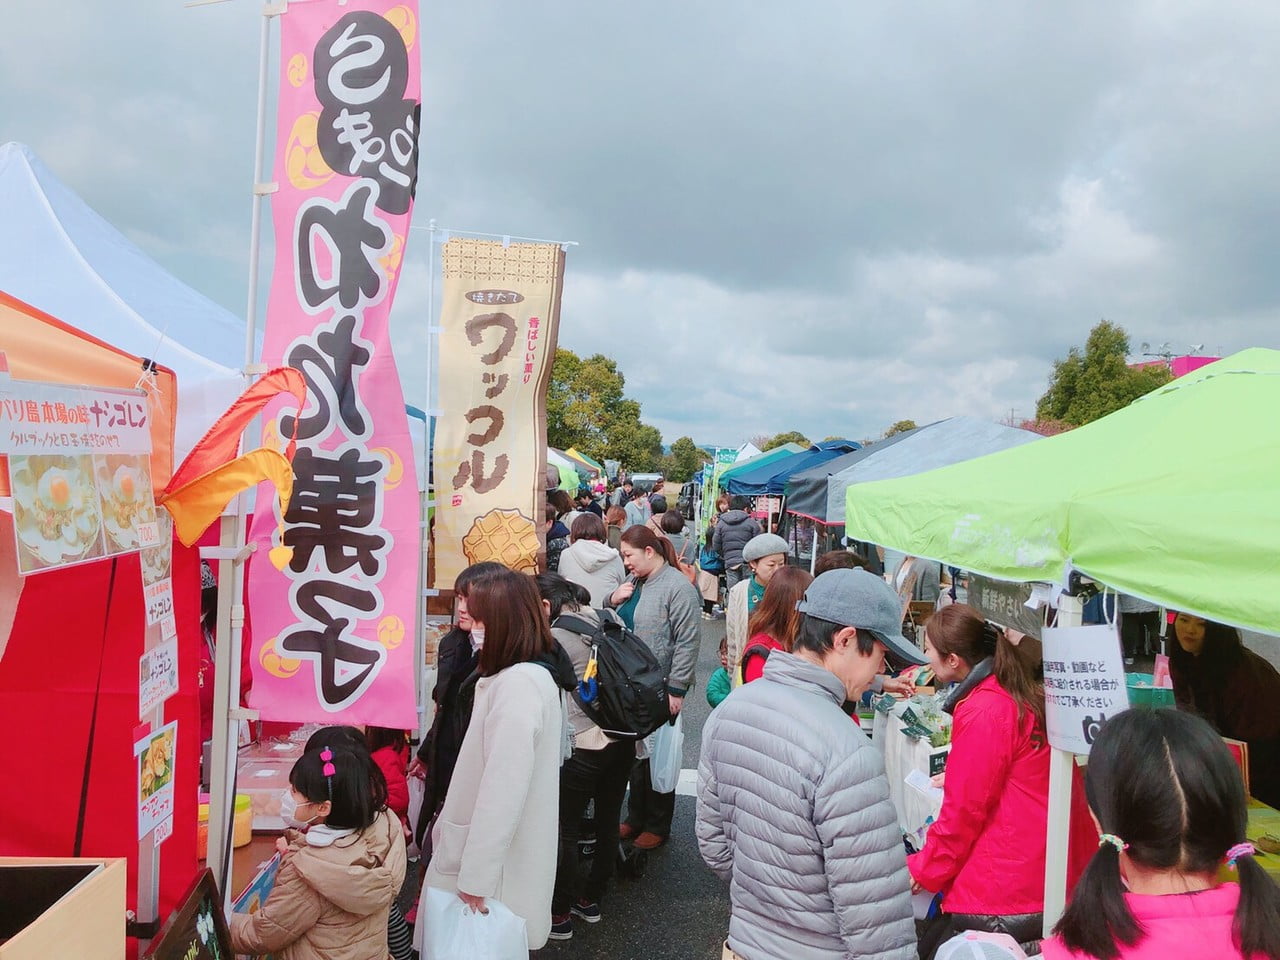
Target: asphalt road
point(679, 909)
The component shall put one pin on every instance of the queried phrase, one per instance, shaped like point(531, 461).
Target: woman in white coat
point(496, 836)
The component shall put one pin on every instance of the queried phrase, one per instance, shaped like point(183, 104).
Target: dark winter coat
point(454, 695)
point(733, 530)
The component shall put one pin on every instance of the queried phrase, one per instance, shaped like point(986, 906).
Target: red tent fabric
point(69, 676)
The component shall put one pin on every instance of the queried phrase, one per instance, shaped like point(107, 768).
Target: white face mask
point(477, 637)
point(289, 812)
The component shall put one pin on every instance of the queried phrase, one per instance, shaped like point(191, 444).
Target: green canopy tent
point(1172, 499)
point(593, 465)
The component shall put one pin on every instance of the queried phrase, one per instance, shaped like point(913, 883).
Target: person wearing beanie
point(764, 555)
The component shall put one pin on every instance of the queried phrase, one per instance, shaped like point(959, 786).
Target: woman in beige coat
point(496, 836)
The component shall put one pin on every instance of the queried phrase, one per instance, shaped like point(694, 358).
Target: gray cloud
point(825, 216)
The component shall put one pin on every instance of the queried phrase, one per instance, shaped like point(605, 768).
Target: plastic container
point(241, 824)
point(1142, 693)
point(263, 781)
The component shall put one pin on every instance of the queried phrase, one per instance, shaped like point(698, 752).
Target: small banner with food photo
point(79, 471)
point(155, 753)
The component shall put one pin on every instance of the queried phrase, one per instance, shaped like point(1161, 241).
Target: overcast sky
point(815, 216)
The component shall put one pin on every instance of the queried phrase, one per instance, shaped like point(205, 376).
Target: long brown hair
point(642, 538)
point(515, 624)
point(776, 615)
point(961, 630)
point(615, 516)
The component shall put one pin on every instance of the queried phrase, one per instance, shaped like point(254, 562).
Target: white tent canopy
point(61, 257)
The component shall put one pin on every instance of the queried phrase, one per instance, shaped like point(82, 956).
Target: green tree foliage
point(902, 426)
point(1092, 383)
point(778, 439)
point(587, 409)
point(684, 461)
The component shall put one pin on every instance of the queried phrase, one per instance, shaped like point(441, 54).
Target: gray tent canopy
point(939, 444)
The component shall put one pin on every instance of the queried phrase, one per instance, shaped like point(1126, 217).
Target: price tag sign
point(164, 830)
point(158, 598)
point(158, 676)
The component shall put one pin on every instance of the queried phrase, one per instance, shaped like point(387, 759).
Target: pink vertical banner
point(333, 626)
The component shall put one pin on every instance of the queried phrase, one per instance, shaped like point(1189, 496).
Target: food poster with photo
point(499, 319)
point(158, 667)
point(79, 471)
point(155, 754)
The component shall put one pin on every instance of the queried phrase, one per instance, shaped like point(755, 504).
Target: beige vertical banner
point(499, 319)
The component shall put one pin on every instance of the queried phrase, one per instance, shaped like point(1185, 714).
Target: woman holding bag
point(496, 834)
point(662, 607)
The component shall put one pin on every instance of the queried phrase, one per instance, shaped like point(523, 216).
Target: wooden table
point(1264, 819)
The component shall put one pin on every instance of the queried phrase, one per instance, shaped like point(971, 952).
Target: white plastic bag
point(666, 754)
point(453, 931)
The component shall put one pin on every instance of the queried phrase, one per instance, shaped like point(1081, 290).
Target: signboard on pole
point(499, 321)
point(1084, 683)
point(330, 625)
point(1005, 603)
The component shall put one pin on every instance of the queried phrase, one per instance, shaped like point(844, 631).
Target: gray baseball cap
point(857, 598)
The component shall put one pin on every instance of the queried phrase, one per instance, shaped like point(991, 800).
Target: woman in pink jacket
point(986, 852)
point(1170, 799)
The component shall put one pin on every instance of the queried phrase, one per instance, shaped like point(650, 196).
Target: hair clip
point(1245, 849)
point(329, 769)
point(1113, 840)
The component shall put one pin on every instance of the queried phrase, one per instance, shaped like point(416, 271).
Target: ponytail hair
point(642, 538)
point(958, 628)
point(1163, 785)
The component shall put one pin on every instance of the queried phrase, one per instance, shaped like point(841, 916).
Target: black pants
point(647, 809)
point(588, 774)
point(1140, 633)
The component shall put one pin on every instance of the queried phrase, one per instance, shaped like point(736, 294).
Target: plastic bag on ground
point(666, 755)
point(453, 931)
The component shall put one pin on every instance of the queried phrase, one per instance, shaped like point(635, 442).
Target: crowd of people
point(793, 806)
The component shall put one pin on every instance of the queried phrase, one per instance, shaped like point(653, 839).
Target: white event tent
point(61, 257)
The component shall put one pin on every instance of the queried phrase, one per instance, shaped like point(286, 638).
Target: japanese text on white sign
point(1084, 683)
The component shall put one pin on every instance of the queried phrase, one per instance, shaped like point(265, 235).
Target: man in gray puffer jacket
point(793, 804)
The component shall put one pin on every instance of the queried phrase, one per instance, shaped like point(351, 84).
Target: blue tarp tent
point(770, 479)
point(806, 491)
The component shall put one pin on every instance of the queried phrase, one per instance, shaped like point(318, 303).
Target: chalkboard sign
point(1005, 604)
point(197, 930)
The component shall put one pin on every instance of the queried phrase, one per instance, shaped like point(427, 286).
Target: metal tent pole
point(420, 634)
point(1058, 826)
point(232, 551)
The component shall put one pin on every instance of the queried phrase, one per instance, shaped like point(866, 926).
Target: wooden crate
point(62, 907)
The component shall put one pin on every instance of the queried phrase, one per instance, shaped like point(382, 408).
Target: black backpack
point(627, 698)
